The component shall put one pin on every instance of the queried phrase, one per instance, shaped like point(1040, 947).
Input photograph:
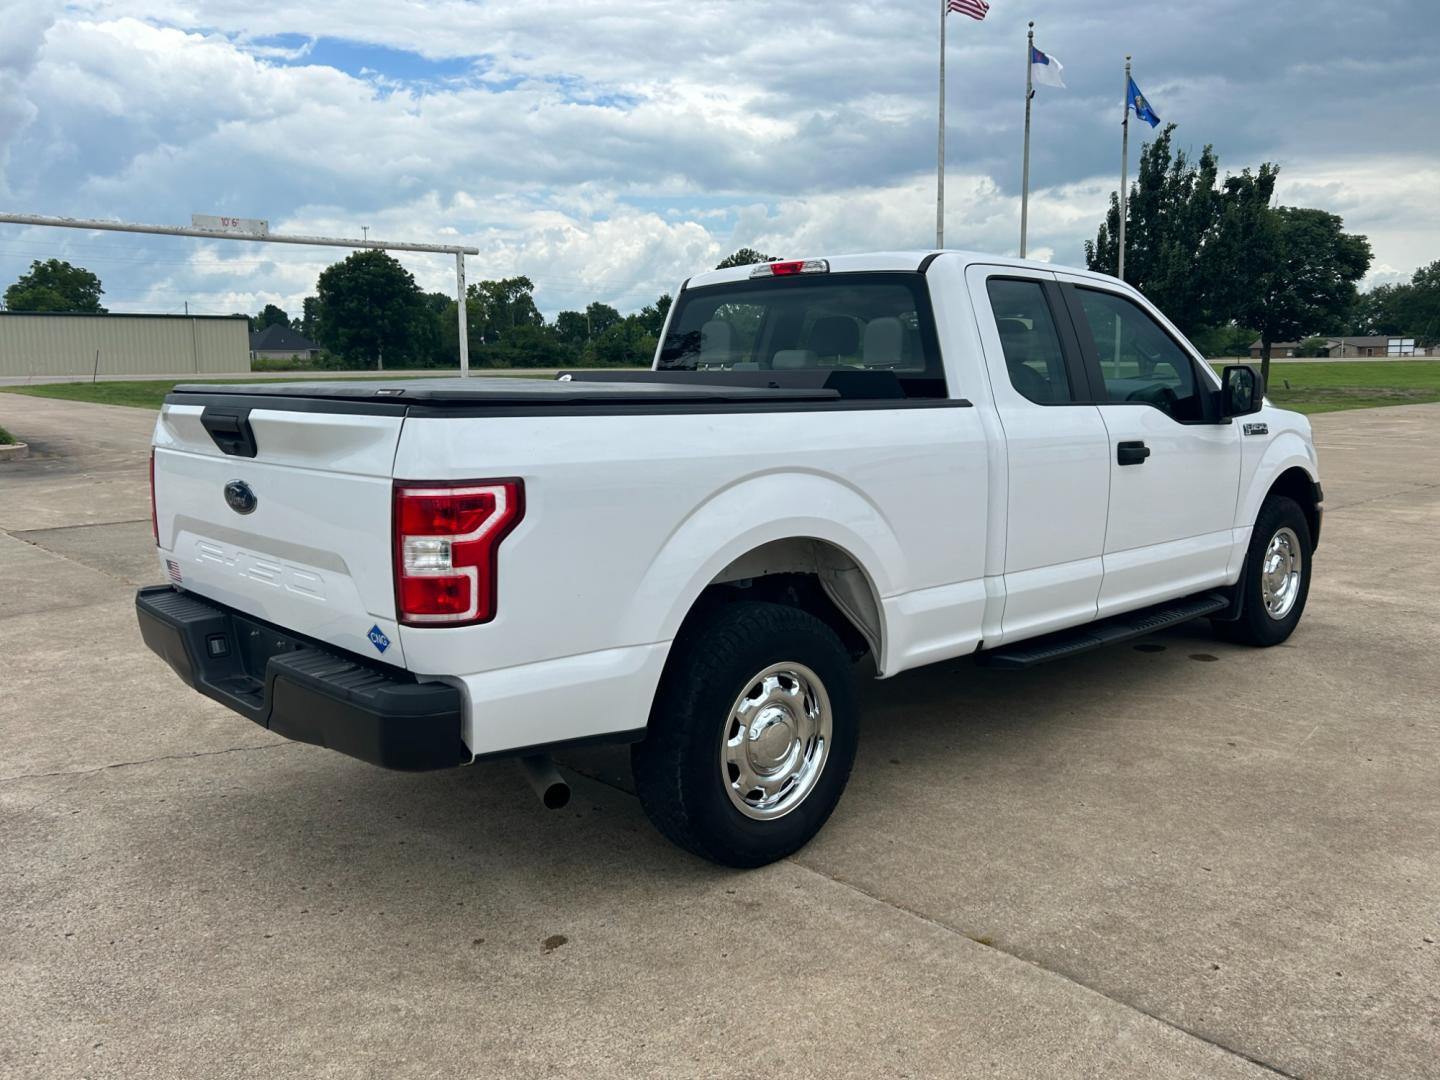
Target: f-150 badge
point(1257, 429)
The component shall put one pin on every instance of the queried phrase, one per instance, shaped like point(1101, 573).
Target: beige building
point(44, 343)
point(1356, 348)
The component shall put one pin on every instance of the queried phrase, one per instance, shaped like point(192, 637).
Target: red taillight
point(154, 517)
point(447, 538)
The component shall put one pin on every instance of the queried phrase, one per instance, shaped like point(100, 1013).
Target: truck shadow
point(307, 819)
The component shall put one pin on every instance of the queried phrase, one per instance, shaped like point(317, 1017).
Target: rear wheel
point(1276, 582)
point(752, 734)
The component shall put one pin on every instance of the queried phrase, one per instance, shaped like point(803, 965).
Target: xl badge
point(378, 639)
point(239, 497)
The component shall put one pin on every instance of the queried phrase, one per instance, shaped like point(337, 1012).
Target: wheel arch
point(750, 532)
point(1296, 483)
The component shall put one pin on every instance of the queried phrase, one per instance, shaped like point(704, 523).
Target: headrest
point(835, 335)
point(883, 338)
point(715, 342)
point(794, 358)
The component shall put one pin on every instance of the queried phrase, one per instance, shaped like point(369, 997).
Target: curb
point(14, 451)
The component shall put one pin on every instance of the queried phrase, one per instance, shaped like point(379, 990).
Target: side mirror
point(1242, 391)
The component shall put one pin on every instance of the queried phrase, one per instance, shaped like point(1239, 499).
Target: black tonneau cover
point(492, 392)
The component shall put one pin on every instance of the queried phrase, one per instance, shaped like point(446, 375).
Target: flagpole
point(1025, 169)
point(1124, 169)
point(940, 153)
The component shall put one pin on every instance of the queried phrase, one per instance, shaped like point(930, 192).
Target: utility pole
point(1025, 169)
point(1124, 168)
point(940, 153)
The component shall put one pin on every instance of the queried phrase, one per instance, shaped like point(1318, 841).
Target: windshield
point(848, 322)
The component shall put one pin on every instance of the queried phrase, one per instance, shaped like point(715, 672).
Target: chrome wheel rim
point(776, 740)
point(1280, 573)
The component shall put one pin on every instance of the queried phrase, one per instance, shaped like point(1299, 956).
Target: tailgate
point(302, 536)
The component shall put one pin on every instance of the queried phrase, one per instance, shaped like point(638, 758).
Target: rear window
point(834, 322)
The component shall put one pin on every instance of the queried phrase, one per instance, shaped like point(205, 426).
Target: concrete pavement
point(1197, 861)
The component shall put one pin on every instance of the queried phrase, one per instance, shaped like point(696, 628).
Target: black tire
point(678, 766)
point(1256, 626)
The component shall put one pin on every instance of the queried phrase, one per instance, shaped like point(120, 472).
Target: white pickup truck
point(915, 456)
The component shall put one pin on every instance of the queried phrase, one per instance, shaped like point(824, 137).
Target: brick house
point(1359, 348)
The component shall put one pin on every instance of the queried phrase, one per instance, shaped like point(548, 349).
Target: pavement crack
point(20, 533)
point(146, 761)
point(1031, 962)
point(1333, 508)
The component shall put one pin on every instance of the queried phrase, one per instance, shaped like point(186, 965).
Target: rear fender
point(740, 518)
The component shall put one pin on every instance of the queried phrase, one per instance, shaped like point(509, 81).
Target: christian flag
point(1046, 70)
point(976, 9)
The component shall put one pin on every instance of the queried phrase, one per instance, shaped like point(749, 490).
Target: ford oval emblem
point(239, 497)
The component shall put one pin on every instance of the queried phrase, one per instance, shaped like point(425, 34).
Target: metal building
point(44, 343)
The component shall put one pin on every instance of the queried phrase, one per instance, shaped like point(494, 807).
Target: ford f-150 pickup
point(910, 456)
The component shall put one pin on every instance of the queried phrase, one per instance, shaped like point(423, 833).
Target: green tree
point(270, 315)
point(600, 317)
point(572, 329)
point(369, 310)
point(746, 256)
point(309, 321)
point(1300, 275)
point(1171, 218)
point(652, 316)
point(500, 306)
point(55, 285)
point(1411, 309)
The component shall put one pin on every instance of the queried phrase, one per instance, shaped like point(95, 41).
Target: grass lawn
point(150, 394)
point(1364, 384)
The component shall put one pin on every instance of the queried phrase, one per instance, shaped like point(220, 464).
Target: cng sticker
point(378, 639)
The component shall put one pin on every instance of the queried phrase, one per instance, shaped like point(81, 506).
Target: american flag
point(976, 9)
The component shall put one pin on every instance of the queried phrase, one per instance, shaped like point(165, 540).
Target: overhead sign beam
point(214, 234)
point(242, 226)
point(258, 231)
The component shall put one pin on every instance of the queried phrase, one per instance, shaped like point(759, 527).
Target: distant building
point(1359, 348)
point(281, 343)
point(67, 343)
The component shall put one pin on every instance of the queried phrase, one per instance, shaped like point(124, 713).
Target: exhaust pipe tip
point(554, 792)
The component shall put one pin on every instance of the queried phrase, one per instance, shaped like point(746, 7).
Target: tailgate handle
point(230, 430)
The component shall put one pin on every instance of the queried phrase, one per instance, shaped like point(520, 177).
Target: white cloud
point(609, 149)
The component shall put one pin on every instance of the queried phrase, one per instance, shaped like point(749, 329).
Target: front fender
point(1289, 448)
point(748, 513)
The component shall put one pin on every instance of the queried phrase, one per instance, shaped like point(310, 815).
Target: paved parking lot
point(1191, 861)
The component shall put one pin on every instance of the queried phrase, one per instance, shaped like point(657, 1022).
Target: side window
point(1139, 361)
point(1031, 343)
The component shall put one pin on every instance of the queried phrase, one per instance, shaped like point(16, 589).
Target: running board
point(1117, 628)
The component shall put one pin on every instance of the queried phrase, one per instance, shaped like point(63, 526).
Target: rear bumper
point(300, 690)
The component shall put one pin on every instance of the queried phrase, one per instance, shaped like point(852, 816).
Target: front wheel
point(1276, 580)
point(752, 735)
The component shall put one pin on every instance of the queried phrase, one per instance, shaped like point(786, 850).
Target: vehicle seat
point(1019, 343)
point(835, 336)
point(714, 343)
point(884, 338)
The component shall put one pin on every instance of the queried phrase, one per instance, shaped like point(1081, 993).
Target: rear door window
point(836, 322)
point(1030, 341)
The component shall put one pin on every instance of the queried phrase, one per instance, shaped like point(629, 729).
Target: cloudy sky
point(610, 148)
